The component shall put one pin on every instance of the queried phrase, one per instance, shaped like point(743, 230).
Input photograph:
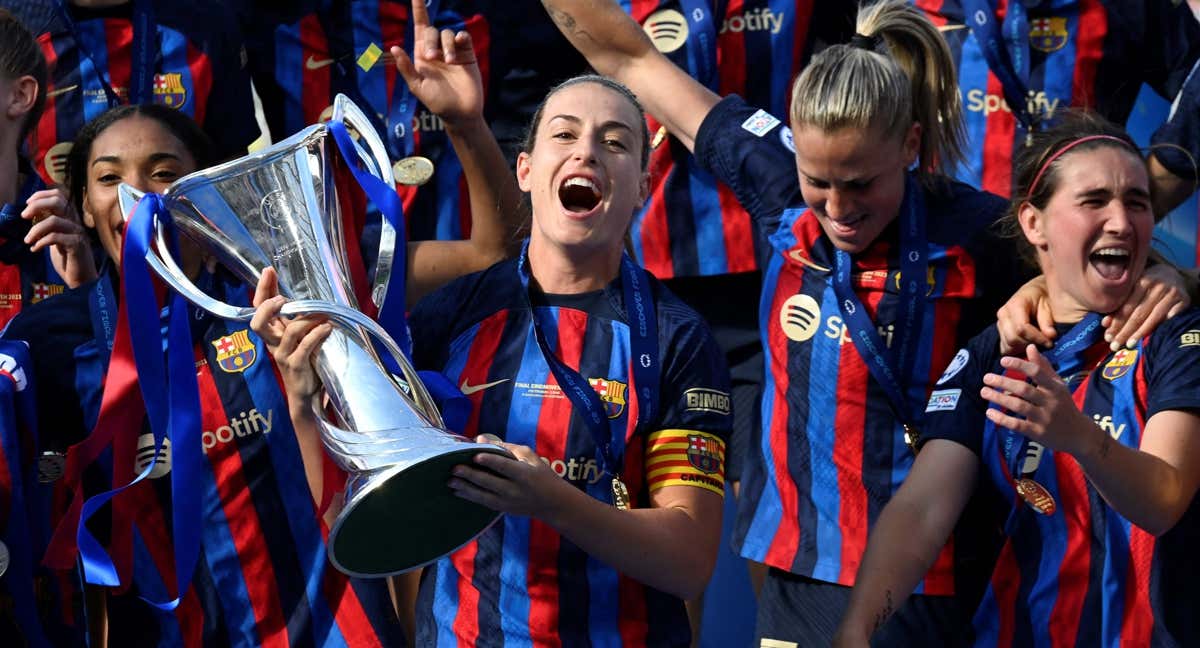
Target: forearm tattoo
point(566, 21)
point(882, 616)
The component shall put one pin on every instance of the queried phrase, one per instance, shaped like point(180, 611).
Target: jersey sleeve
point(955, 410)
point(687, 444)
point(751, 151)
point(1173, 365)
point(1173, 42)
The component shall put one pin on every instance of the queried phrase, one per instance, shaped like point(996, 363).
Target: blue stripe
point(150, 585)
point(445, 601)
point(1042, 591)
point(1059, 69)
point(706, 213)
point(366, 31)
point(819, 430)
point(93, 72)
point(220, 553)
point(781, 58)
point(174, 53)
point(973, 75)
point(522, 429)
point(288, 66)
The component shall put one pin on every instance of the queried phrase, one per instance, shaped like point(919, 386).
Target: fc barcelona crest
point(612, 394)
point(169, 90)
point(235, 352)
point(1048, 34)
point(1120, 363)
point(702, 453)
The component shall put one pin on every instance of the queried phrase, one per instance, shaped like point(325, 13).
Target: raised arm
point(445, 78)
point(910, 532)
point(617, 47)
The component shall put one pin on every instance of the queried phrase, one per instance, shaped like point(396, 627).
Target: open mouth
point(1110, 262)
point(579, 195)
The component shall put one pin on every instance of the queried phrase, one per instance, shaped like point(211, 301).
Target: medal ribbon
point(914, 268)
point(21, 525)
point(456, 408)
point(145, 36)
point(1006, 49)
point(643, 344)
point(171, 398)
point(103, 312)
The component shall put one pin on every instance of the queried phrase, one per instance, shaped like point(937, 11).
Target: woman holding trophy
point(262, 577)
point(608, 391)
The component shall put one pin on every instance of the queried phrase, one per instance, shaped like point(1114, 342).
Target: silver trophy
point(279, 208)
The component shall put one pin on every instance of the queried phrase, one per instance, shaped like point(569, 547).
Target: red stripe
point(242, 517)
point(479, 360)
point(314, 84)
point(200, 68)
point(1089, 49)
point(466, 620)
point(932, 9)
point(1006, 580)
point(119, 36)
point(738, 230)
point(632, 622)
point(1074, 568)
point(804, 12)
point(786, 540)
point(731, 55)
point(352, 620)
point(656, 236)
point(45, 135)
point(998, 144)
point(1137, 623)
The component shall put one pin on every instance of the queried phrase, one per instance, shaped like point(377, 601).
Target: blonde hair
point(901, 73)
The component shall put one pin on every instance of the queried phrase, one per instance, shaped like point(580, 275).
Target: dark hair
point(20, 56)
point(531, 134)
point(1068, 128)
point(176, 123)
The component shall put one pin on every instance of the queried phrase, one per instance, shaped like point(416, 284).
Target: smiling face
point(584, 174)
point(853, 180)
point(138, 151)
point(1093, 236)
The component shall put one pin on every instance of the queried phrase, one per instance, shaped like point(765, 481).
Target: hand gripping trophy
point(279, 208)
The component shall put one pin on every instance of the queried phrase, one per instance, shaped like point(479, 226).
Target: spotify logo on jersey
point(667, 29)
point(800, 317)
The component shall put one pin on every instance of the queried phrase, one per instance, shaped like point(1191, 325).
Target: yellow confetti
point(367, 59)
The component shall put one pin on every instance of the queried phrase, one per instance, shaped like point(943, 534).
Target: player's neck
point(559, 272)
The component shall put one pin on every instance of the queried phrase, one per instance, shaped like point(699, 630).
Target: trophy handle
point(379, 164)
point(163, 265)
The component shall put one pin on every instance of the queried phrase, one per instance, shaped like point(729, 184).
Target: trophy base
point(406, 517)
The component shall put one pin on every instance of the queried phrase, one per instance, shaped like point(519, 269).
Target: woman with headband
point(1095, 453)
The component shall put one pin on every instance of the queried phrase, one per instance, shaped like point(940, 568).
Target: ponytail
point(898, 70)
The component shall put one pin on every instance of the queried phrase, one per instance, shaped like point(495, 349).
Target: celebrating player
point(1094, 452)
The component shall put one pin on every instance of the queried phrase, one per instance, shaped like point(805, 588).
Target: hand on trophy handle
point(56, 223)
point(292, 342)
point(445, 75)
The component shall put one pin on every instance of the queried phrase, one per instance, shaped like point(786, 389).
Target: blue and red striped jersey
point(520, 582)
point(25, 277)
point(302, 57)
point(831, 451)
point(200, 69)
point(1093, 54)
point(263, 577)
point(1082, 574)
point(693, 225)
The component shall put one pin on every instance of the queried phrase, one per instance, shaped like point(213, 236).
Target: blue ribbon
point(643, 343)
point(171, 396)
point(145, 34)
point(914, 268)
point(455, 407)
point(1006, 49)
point(24, 547)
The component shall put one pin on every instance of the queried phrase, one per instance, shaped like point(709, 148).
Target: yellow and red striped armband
point(685, 458)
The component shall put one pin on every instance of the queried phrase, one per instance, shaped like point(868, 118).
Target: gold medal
point(4, 558)
point(620, 494)
point(413, 170)
point(1036, 496)
point(912, 436)
point(658, 137)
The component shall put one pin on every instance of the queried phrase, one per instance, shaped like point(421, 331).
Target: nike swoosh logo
point(60, 91)
point(468, 389)
point(313, 64)
point(797, 255)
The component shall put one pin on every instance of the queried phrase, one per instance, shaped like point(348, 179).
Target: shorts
point(729, 304)
point(800, 611)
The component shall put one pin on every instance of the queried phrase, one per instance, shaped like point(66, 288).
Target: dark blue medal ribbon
point(892, 369)
point(455, 407)
point(1006, 49)
point(643, 344)
point(171, 397)
point(103, 311)
point(145, 38)
point(24, 546)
